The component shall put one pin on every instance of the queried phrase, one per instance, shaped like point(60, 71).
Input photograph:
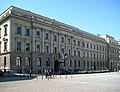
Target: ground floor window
point(27, 61)
point(18, 61)
point(38, 61)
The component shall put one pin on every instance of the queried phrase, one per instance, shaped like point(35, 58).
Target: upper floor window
point(74, 52)
point(47, 49)
point(90, 46)
point(5, 46)
point(78, 43)
point(37, 34)
point(27, 46)
point(78, 53)
point(68, 40)
point(27, 32)
point(62, 40)
point(55, 38)
point(0, 32)
point(19, 30)
point(18, 45)
point(38, 48)
point(83, 44)
point(69, 52)
point(18, 61)
point(87, 45)
point(47, 36)
point(74, 42)
point(5, 30)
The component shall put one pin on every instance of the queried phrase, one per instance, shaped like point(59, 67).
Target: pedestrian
point(30, 72)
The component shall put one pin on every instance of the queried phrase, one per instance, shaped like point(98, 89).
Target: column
point(66, 44)
point(59, 49)
point(42, 41)
point(51, 42)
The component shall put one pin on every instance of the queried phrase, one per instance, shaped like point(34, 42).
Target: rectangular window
point(74, 52)
point(5, 46)
point(27, 32)
point(5, 30)
point(47, 49)
point(74, 42)
point(19, 31)
point(87, 45)
point(78, 43)
point(83, 54)
point(38, 48)
point(55, 38)
point(90, 46)
point(62, 40)
point(83, 44)
point(18, 45)
point(68, 41)
point(55, 49)
point(79, 63)
point(75, 63)
point(87, 54)
point(47, 35)
point(37, 34)
point(78, 53)
point(69, 52)
point(62, 50)
point(27, 46)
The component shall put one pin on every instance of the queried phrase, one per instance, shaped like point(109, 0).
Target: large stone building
point(31, 41)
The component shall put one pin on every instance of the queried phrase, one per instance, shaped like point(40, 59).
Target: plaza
point(99, 82)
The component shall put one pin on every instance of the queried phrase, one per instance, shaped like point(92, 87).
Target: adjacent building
point(32, 41)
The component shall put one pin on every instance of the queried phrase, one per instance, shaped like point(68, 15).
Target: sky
point(93, 16)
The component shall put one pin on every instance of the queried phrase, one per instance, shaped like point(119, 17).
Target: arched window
point(27, 61)
point(47, 62)
point(18, 61)
point(38, 61)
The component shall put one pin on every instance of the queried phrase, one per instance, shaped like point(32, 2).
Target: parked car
point(1, 73)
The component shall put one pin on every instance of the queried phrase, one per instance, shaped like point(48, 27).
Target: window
point(87, 45)
point(38, 61)
point(74, 42)
point(97, 47)
point(68, 40)
point(62, 50)
point(91, 55)
point(74, 52)
point(37, 34)
point(27, 32)
point(18, 61)
point(55, 38)
point(27, 61)
point(27, 46)
point(78, 43)
point(87, 54)
point(75, 63)
point(90, 46)
point(5, 62)
point(94, 55)
point(94, 46)
point(5, 46)
point(38, 48)
point(47, 62)
point(47, 49)
point(19, 31)
point(0, 32)
point(5, 30)
point(79, 63)
point(18, 45)
point(83, 54)
point(69, 52)
point(83, 44)
point(78, 53)
point(70, 63)
point(47, 35)
point(62, 40)
point(55, 49)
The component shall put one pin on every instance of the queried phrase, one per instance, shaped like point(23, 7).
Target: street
point(99, 82)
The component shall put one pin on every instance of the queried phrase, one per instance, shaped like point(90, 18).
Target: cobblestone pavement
point(103, 82)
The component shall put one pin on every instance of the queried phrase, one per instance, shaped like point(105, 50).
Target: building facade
point(31, 41)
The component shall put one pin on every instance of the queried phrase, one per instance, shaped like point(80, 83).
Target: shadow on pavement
point(16, 78)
